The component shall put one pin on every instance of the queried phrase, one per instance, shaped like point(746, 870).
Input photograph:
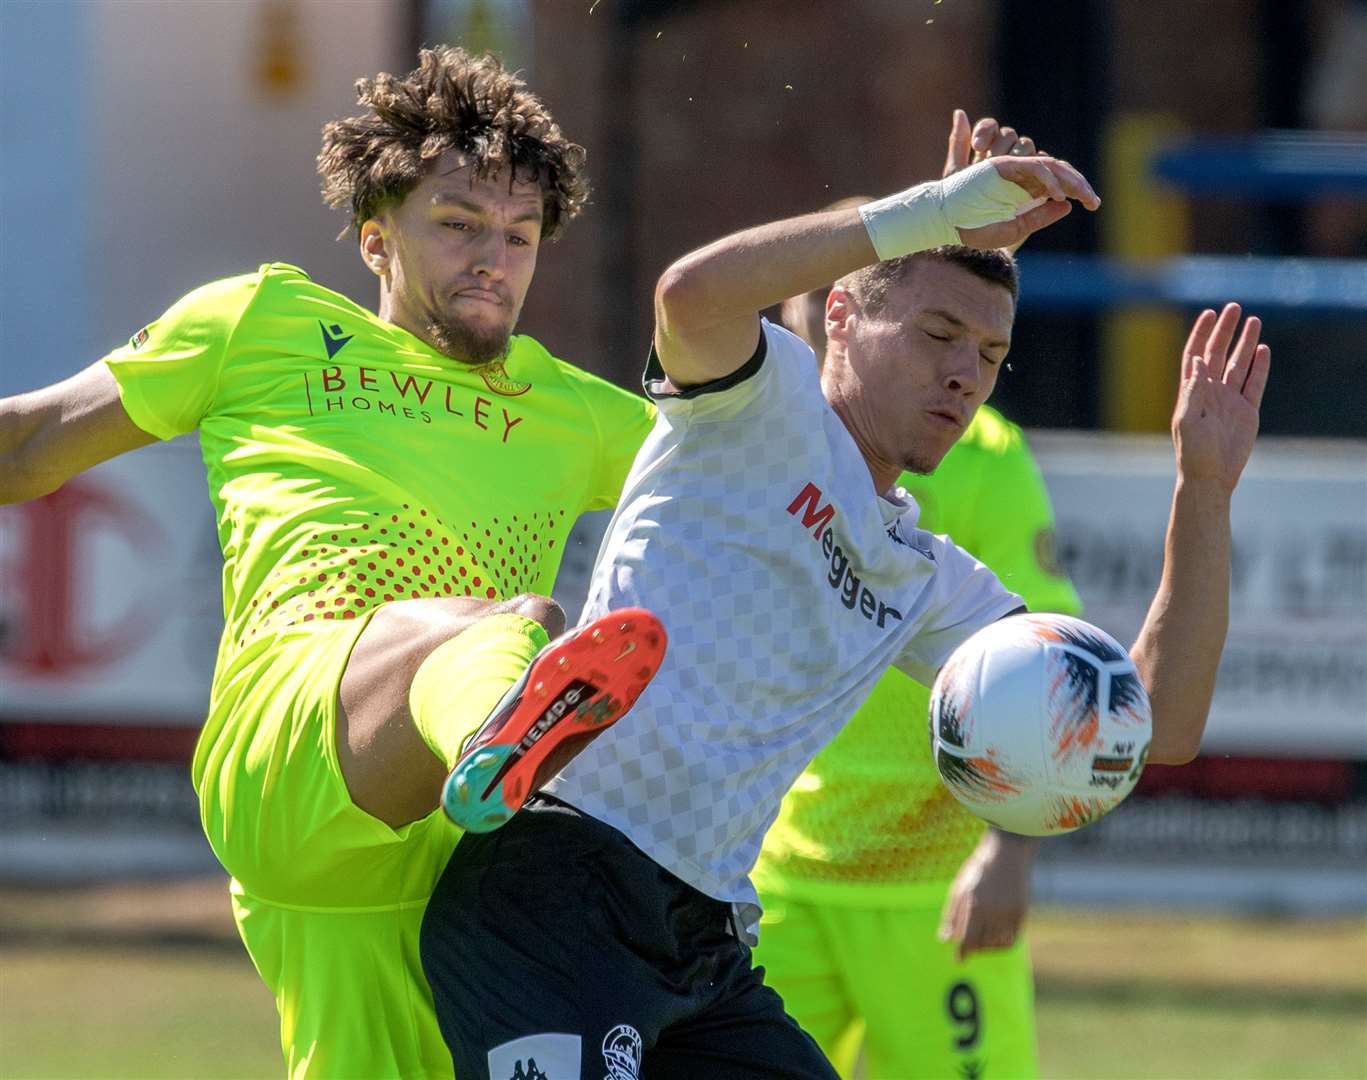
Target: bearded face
point(456, 258)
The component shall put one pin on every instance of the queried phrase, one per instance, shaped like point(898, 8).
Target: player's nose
point(961, 374)
point(491, 258)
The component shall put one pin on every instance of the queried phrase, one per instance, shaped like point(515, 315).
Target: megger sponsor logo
point(814, 516)
point(840, 574)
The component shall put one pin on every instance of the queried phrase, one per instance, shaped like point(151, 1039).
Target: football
point(1039, 724)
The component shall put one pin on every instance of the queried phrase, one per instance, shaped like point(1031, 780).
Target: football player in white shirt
point(606, 927)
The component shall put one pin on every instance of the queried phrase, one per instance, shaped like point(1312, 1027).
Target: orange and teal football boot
point(576, 687)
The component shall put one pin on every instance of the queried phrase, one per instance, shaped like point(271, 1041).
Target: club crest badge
point(496, 378)
point(622, 1053)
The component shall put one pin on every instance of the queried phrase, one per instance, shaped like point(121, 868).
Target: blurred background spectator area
point(185, 152)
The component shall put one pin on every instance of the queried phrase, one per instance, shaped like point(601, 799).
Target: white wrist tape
point(931, 214)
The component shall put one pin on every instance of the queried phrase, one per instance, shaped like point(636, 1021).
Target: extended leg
point(391, 770)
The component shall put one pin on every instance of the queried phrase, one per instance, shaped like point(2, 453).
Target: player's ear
point(841, 311)
point(375, 247)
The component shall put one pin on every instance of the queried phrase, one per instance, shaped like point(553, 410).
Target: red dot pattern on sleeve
point(347, 568)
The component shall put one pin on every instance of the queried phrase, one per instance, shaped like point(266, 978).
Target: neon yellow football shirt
point(350, 464)
point(869, 821)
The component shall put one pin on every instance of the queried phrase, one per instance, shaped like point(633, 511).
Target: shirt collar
point(896, 503)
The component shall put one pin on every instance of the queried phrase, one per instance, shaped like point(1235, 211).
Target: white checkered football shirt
point(749, 525)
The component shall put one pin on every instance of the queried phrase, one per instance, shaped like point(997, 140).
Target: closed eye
point(936, 337)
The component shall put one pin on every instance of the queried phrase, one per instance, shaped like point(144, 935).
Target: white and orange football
point(1039, 724)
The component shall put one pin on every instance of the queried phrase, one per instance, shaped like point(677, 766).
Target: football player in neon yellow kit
point(892, 914)
point(393, 493)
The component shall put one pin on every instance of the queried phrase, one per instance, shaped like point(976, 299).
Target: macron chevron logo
point(333, 338)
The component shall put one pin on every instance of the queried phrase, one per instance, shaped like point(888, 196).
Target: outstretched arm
point(706, 303)
point(48, 436)
point(1214, 426)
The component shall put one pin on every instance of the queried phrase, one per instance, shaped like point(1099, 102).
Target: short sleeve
point(780, 375)
point(1010, 525)
point(168, 372)
point(965, 597)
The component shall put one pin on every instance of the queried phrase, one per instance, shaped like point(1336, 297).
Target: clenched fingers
point(1003, 143)
point(985, 133)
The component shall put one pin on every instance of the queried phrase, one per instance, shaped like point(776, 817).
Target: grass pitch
point(150, 982)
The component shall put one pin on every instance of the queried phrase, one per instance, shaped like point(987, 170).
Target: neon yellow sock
point(462, 679)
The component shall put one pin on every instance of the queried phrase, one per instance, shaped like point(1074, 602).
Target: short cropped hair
point(451, 101)
point(871, 284)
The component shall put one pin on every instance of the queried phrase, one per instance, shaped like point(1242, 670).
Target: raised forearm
point(752, 269)
point(1178, 649)
point(743, 273)
point(706, 302)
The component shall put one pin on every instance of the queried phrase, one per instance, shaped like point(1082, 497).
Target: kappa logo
point(622, 1053)
point(530, 1073)
point(333, 338)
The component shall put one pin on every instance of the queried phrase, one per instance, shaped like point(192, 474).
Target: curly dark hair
point(451, 101)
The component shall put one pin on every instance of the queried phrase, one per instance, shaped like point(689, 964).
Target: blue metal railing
point(1272, 165)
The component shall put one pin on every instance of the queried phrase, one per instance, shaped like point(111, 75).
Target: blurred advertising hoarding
point(1293, 678)
point(110, 611)
point(1272, 816)
point(110, 595)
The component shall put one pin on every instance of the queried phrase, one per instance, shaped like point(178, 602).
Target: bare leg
point(389, 770)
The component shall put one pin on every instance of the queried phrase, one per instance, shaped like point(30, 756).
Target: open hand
point(1215, 420)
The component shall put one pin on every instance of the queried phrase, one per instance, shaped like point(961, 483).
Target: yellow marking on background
point(1141, 347)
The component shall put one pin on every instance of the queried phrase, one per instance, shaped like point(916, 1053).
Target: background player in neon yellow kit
point(892, 914)
point(393, 493)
